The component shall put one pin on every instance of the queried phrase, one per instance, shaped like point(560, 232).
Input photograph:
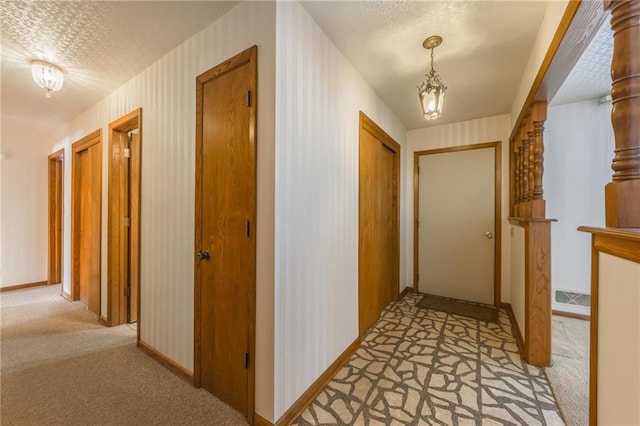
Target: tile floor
point(419, 367)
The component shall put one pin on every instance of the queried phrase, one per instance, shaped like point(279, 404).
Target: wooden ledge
point(632, 234)
point(619, 242)
point(523, 221)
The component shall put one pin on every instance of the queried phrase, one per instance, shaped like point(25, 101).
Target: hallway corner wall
point(318, 99)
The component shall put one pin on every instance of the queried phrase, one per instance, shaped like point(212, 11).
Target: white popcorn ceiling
point(99, 44)
point(102, 44)
point(590, 78)
point(481, 59)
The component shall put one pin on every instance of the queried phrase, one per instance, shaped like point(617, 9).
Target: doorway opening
point(86, 220)
point(123, 250)
point(225, 231)
point(457, 227)
point(379, 228)
point(55, 216)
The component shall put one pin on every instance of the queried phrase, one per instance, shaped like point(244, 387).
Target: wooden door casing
point(123, 250)
point(379, 246)
point(224, 338)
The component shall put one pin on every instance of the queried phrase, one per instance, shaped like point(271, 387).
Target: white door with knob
point(456, 214)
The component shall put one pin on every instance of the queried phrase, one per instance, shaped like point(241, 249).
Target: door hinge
point(248, 98)
point(126, 152)
point(417, 223)
point(126, 221)
point(248, 229)
point(127, 291)
point(246, 360)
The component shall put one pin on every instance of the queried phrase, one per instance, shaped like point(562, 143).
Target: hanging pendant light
point(47, 76)
point(431, 91)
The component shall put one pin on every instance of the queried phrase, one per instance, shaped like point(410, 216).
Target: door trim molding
point(94, 138)
point(55, 220)
point(497, 146)
point(248, 57)
point(366, 124)
point(116, 299)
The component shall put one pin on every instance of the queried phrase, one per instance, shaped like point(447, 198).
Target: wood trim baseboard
point(514, 327)
point(571, 315)
point(102, 320)
point(404, 292)
point(178, 370)
point(258, 420)
point(23, 286)
point(305, 399)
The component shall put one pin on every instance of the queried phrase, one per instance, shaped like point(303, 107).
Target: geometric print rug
point(424, 367)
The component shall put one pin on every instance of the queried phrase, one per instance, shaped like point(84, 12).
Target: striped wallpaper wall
point(489, 129)
point(319, 95)
point(166, 93)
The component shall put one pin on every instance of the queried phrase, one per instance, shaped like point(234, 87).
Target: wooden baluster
point(516, 169)
point(538, 117)
point(622, 196)
point(532, 161)
point(525, 168)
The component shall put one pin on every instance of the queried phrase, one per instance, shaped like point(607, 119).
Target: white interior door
point(456, 224)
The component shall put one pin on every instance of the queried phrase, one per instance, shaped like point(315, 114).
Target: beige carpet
point(59, 366)
point(569, 374)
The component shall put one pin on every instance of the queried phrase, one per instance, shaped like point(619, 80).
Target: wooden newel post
point(622, 196)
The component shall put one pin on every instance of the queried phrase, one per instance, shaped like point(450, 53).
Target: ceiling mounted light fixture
point(47, 76)
point(431, 91)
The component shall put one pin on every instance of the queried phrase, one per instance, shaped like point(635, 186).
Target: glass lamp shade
point(431, 100)
point(47, 76)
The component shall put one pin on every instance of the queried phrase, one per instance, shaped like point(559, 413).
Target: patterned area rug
point(458, 307)
point(424, 367)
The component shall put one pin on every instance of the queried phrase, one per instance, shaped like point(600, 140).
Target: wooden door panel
point(85, 229)
point(378, 257)
point(93, 219)
point(228, 209)
point(89, 237)
point(134, 229)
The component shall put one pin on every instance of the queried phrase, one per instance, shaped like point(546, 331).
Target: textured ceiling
point(99, 44)
point(591, 76)
point(482, 57)
point(102, 44)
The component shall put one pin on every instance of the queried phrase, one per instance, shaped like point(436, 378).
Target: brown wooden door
point(89, 250)
point(56, 185)
point(225, 282)
point(133, 206)
point(378, 242)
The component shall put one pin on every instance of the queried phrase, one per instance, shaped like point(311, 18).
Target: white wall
point(579, 146)
point(23, 201)
point(166, 93)
point(548, 27)
point(618, 342)
point(319, 95)
point(489, 129)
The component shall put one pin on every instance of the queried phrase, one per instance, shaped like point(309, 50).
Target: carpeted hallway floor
point(423, 367)
point(59, 366)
